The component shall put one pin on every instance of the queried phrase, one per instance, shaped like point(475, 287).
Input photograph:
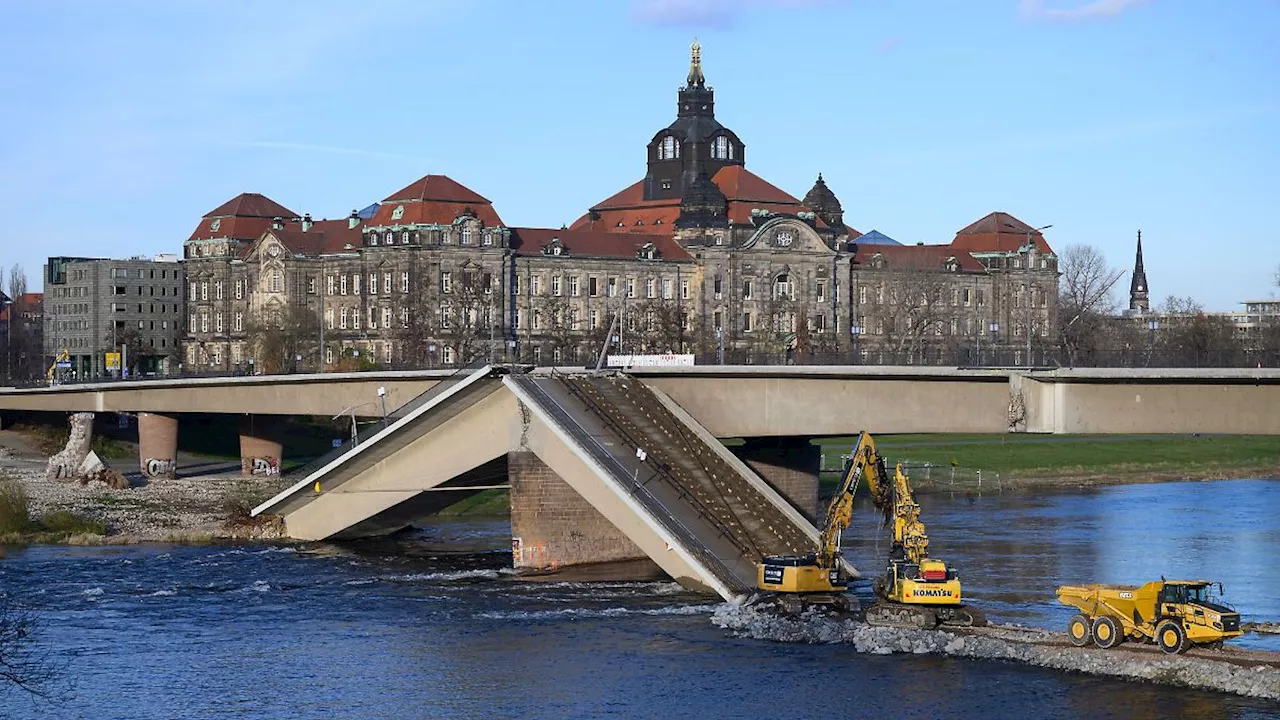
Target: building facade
point(699, 255)
point(94, 306)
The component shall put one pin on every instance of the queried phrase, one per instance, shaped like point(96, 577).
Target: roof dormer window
point(721, 148)
point(555, 247)
point(668, 149)
point(648, 251)
point(373, 239)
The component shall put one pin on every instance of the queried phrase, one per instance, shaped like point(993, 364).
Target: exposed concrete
point(790, 466)
point(261, 449)
point(68, 460)
point(158, 445)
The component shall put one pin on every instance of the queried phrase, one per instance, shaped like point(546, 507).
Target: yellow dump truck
point(1174, 614)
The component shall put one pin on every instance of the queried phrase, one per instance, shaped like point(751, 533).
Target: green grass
point(1065, 454)
point(486, 502)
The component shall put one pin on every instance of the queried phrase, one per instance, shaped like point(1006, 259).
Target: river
point(432, 625)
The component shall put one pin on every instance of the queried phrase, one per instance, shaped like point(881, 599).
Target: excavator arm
point(62, 356)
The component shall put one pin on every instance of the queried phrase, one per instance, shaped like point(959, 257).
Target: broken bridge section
point(602, 469)
point(701, 499)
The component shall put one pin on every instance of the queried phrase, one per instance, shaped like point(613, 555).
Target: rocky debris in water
point(1264, 628)
point(1003, 643)
point(5, 453)
point(92, 471)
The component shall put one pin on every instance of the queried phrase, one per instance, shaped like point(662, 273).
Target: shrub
point(240, 499)
point(69, 523)
point(14, 506)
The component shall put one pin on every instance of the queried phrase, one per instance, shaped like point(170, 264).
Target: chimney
point(306, 222)
point(353, 220)
point(277, 223)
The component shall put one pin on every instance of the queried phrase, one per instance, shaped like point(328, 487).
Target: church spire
point(1139, 293)
point(696, 78)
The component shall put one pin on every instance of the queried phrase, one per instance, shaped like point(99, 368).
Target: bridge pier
point(790, 465)
point(261, 449)
point(158, 445)
point(553, 527)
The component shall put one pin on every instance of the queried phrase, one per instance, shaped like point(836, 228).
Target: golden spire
point(695, 65)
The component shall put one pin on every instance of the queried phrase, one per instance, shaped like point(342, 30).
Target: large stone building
point(95, 306)
point(700, 255)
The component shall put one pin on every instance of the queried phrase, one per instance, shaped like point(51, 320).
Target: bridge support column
point(158, 445)
point(790, 466)
point(553, 527)
point(260, 448)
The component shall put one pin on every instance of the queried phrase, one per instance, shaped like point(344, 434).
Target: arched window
point(373, 238)
point(782, 287)
point(668, 150)
point(466, 234)
point(721, 149)
point(404, 238)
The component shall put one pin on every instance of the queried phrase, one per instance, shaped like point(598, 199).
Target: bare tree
point(276, 338)
point(916, 310)
point(24, 663)
point(1085, 302)
point(1190, 338)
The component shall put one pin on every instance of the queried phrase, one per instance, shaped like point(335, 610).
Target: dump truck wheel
point(1078, 630)
point(1171, 637)
point(1105, 632)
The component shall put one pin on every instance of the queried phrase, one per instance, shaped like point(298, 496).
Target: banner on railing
point(649, 360)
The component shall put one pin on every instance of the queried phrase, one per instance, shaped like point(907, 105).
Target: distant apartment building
point(95, 306)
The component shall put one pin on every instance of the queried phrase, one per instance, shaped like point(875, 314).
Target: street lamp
point(856, 332)
point(1152, 326)
point(995, 339)
point(1029, 248)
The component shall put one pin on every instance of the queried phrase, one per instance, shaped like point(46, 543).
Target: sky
point(124, 122)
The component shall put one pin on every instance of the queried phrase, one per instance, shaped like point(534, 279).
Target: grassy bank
point(1097, 457)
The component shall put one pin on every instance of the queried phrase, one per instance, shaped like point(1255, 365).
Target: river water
point(433, 625)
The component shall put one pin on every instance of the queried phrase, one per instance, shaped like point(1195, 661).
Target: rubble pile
point(1034, 647)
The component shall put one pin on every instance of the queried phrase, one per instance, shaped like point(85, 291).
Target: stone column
point(260, 446)
point(553, 527)
point(158, 445)
point(68, 460)
point(790, 465)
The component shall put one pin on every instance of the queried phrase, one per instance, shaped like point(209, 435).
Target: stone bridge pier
point(157, 445)
point(790, 465)
point(261, 446)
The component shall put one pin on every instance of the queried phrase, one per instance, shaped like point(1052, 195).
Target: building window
point(239, 290)
point(684, 289)
point(611, 289)
point(535, 285)
point(329, 284)
point(204, 323)
point(651, 288)
point(448, 355)
point(718, 287)
point(668, 149)
point(355, 284)
point(342, 319)
point(445, 322)
point(355, 319)
point(239, 321)
point(446, 281)
point(204, 290)
point(717, 319)
point(191, 322)
point(466, 234)
point(386, 283)
point(404, 281)
point(342, 283)
point(404, 237)
point(782, 287)
point(328, 317)
point(822, 292)
point(277, 281)
point(217, 290)
point(386, 318)
point(311, 286)
point(746, 322)
point(404, 317)
point(328, 356)
point(373, 319)
point(555, 285)
point(720, 148)
point(631, 287)
point(373, 239)
point(746, 289)
point(593, 289)
point(593, 319)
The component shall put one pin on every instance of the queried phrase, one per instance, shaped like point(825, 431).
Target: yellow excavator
point(915, 591)
point(63, 356)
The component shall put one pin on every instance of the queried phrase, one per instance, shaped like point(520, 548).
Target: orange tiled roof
point(993, 233)
point(434, 200)
point(916, 257)
point(595, 243)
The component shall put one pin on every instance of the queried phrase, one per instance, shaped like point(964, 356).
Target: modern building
point(699, 255)
point(96, 306)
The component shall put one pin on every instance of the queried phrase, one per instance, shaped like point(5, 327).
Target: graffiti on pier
point(158, 467)
point(261, 466)
point(530, 556)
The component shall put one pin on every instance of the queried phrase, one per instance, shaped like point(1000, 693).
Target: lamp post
point(856, 332)
point(1029, 250)
point(8, 337)
point(1152, 326)
point(995, 338)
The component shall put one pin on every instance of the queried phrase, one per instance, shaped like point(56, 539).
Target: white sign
point(649, 360)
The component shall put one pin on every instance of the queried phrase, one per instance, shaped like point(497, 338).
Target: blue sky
point(124, 122)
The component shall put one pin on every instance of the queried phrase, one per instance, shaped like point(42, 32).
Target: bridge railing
point(423, 398)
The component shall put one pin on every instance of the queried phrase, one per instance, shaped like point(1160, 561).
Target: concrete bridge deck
point(790, 401)
point(684, 500)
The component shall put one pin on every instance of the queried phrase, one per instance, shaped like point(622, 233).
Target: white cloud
point(1094, 10)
